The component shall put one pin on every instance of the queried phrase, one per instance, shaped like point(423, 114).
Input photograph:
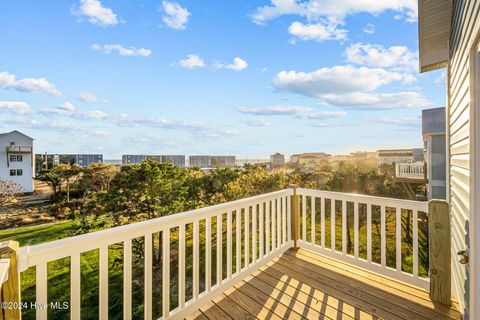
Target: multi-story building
point(223, 161)
point(177, 160)
point(277, 160)
point(47, 161)
point(399, 156)
point(339, 157)
point(311, 160)
point(434, 138)
point(16, 159)
point(200, 161)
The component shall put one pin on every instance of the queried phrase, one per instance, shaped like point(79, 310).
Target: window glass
point(19, 158)
point(13, 172)
point(13, 158)
point(19, 172)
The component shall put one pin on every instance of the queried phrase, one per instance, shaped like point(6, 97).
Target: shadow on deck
point(304, 285)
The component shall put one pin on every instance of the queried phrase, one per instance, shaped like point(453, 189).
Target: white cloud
point(336, 80)
point(442, 79)
point(398, 58)
point(406, 122)
point(17, 107)
point(238, 65)
point(90, 98)
point(176, 16)
point(68, 109)
point(298, 111)
point(333, 10)
point(317, 31)
point(379, 101)
point(192, 61)
point(34, 85)
point(256, 122)
point(369, 28)
point(121, 50)
point(96, 13)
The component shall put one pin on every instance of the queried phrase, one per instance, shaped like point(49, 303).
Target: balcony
point(294, 253)
point(19, 149)
point(410, 171)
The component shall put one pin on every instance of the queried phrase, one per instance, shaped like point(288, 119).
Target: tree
point(9, 192)
point(96, 177)
point(59, 175)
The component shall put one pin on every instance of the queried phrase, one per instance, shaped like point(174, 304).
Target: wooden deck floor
point(303, 285)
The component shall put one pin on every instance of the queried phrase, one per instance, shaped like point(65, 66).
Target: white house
point(449, 37)
point(16, 159)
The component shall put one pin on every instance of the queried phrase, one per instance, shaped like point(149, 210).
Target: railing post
point(295, 216)
point(439, 251)
point(11, 288)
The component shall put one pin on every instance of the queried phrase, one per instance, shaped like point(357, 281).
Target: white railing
point(347, 212)
point(262, 232)
point(4, 267)
point(228, 242)
point(414, 170)
point(19, 149)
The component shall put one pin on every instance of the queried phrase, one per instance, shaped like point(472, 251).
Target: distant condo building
point(204, 161)
point(277, 160)
point(47, 161)
point(243, 162)
point(176, 160)
point(16, 159)
point(399, 156)
point(310, 160)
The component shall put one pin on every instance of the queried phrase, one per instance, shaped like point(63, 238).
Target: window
point(13, 172)
point(13, 158)
point(19, 172)
point(19, 158)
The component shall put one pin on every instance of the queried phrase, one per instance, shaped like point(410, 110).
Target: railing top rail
point(4, 266)
point(58, 249)
point(355, 197)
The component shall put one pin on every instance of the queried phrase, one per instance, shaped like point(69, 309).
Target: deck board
point(304, 285)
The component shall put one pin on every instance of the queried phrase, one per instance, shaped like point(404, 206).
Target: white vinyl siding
point(465, 26)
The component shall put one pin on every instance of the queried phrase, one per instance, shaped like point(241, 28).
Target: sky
point(248, 78)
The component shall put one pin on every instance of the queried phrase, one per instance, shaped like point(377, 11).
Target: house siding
point(465, 27)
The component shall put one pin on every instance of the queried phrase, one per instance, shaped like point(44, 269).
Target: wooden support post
point(295, 217)
point(439, 251)
point(11, 288)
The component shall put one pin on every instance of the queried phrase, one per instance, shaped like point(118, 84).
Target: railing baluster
point(415, 242)
point(323, 208)
point(304, 217)
point(219, 248)
point(181, 265)
point(254, 233)
point(289, 218)
point(312, 219)
point(103, 290)
point(127, 279)
point(398, 234)
point(355, 229)
point(344, 227)
point(75, 287)
point(208, 257)
point(166, 273)
point(148, 276)
point(273, 220)
point(267, 226)
point(261, 224)
point(238, 241)
point(284, 220)
point(229, 244)
point(383, 239)
point(279, 222)
point(196, 260)
point(332, 223)
point(247, 236)
point(369, 232)
point(41, 291)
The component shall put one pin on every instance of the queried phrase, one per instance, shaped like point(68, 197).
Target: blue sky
point(248, 78)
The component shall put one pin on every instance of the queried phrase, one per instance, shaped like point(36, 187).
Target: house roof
point(434, 23)
point(15, 131)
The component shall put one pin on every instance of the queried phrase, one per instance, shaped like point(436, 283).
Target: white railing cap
point(4, 267)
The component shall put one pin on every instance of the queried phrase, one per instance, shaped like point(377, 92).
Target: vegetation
point(101, 196)
point(8, 192)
